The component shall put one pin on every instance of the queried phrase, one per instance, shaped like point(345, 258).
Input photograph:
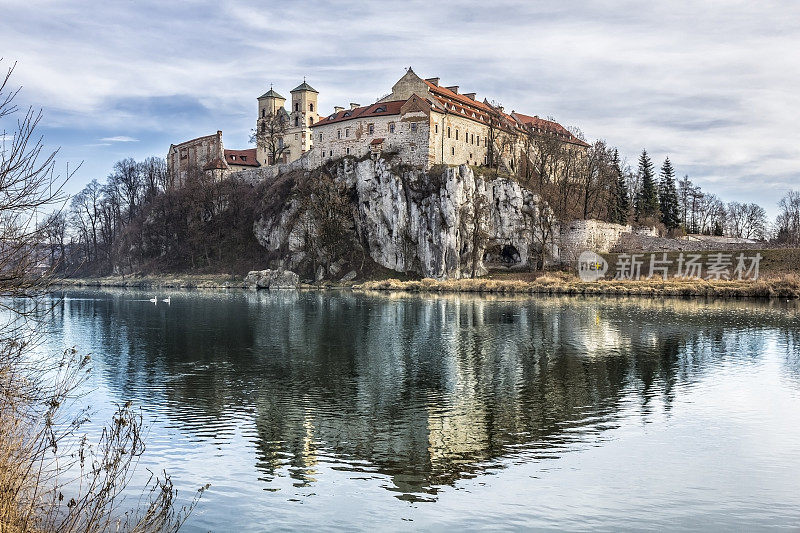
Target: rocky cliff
point(444, 223)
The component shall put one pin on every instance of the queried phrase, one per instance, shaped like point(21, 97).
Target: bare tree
point(788, 220)
point(269, 136)
point(42, 456)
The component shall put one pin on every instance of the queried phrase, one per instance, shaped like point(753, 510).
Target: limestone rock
point(437, 225)
point(272, 279)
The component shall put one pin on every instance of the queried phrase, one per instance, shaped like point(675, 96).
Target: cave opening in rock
point(509, 254)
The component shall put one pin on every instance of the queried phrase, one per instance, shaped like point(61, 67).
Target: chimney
point(471, 96)
point(434, 81)
point(354, 105)
point(337, 108)
point(500, 108)
point(453, 88)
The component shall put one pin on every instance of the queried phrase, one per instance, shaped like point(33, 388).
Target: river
point(330, 410)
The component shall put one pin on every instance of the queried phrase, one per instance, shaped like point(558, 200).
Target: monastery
point(420, 121)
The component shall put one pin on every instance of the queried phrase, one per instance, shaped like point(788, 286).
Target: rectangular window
point(448, 132)
point(479, 140)
point(436, 128)
point(320, 137)
point(348, 151)
point(453, 150)
point(338, 134)
point(456, 133)
point(473, 139)
point(391, 127)
point(414, 127)
point(347, 132)
point(371, 128)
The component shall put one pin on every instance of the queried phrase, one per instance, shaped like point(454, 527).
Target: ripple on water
point(308, 410)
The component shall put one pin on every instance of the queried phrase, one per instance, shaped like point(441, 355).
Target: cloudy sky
point(715, 84)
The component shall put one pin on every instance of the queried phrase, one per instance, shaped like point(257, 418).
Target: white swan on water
point(168, 299)
point(154, 300)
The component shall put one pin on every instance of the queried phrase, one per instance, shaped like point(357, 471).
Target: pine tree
point(620, 205)
point(646, 207)
point(668, 197)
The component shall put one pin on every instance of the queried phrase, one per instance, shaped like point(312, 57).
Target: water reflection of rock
point(424, 389)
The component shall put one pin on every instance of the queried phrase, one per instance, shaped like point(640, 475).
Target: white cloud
point(120, 139)
point(712, 84)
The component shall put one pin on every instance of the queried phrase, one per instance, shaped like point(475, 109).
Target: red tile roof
point(246, 158)
point(548, 126)
point(444, 92)
point(388, 108)
point(379, 140)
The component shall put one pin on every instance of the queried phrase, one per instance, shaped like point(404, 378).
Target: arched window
point(310, 121)
point(297, 106)
point(296, 121)
point(311, 107)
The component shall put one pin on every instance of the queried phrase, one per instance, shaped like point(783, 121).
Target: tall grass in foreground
point(51, 477)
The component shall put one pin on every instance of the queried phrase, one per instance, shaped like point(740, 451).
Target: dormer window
point(380, 109)
point(244, 158)
point(347, 114)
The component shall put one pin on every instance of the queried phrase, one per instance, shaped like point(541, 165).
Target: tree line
point(137, 219)
point(597, 184)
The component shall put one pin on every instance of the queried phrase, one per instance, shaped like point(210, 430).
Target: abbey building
point(420, 122)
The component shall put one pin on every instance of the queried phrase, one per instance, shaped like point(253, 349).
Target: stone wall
point(597, 236)
point(269, 173)
point(353, 137)
point(458, 141)
point(194, 154)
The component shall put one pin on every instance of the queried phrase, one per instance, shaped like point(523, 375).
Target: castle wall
point(469, 148)
point(581, 235)
point(410, 138)
point(194, 154)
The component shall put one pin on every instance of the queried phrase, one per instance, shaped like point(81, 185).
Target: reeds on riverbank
point(785, 286)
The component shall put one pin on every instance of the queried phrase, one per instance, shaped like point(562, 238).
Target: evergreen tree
point(668, 197)
point(620, 204)
point(646, 206)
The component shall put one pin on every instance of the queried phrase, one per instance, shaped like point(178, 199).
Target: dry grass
point(53, 478)
point(783, 286)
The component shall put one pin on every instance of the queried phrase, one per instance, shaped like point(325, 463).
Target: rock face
point(445, 224)
point(272, 279)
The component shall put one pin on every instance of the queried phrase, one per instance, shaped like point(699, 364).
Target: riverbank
point(167, 281)
point(785, 286)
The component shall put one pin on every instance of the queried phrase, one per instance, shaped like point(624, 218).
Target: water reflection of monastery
point(424, 390)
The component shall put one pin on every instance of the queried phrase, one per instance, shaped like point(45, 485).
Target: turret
point(269, 103)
